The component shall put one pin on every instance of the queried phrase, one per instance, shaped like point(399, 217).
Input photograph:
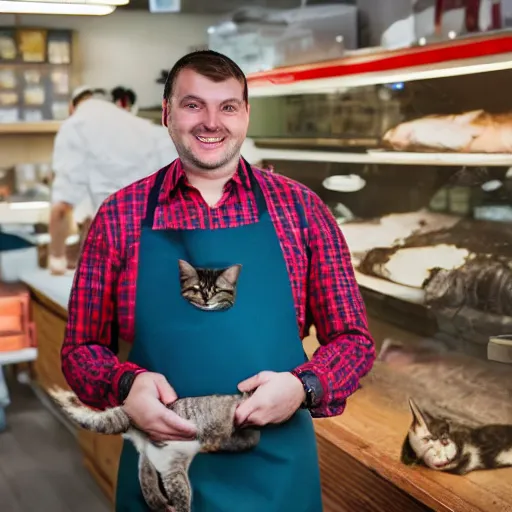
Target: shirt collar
point(176, 177)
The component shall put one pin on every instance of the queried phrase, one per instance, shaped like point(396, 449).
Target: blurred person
point(124, 98)
point(98, 150)
point(211, 208)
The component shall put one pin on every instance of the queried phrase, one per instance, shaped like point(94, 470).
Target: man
point(98, 150)
point(210, 208)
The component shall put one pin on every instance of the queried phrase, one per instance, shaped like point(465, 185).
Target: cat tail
point(111, 421)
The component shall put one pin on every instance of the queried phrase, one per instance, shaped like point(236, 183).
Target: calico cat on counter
point(445, 445)
point(209, 289)
point(168, 462)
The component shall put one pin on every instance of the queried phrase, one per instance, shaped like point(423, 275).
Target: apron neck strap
point(256, 188)
point(155, 192)
point(153, 198)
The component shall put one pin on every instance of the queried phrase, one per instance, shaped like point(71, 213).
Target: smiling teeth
point(210, 139)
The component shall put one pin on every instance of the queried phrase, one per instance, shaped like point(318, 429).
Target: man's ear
point(165, 106)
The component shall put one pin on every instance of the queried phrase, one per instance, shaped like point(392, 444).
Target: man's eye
point(230, 108)
point(191, 105)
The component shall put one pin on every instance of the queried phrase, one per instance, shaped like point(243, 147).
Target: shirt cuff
point(123, 381)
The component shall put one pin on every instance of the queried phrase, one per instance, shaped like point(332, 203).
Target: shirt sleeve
point(89, 365)
point(347, 349)
point(70, 165)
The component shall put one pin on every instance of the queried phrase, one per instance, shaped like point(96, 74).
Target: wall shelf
point(27, 128)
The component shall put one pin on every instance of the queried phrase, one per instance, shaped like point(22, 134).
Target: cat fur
point(168, 462)
point(445, 445)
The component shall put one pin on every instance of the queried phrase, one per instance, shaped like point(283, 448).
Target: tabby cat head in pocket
point(207, 288)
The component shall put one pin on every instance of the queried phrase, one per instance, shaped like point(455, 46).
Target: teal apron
point(205, 352)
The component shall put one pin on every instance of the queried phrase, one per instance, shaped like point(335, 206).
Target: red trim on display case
point(386, 61)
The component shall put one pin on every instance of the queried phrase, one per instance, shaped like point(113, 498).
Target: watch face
point(313, 388)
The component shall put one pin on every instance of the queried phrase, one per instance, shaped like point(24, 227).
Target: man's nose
point(211, 120)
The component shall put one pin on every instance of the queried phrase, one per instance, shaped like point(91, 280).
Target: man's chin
point(211, 164)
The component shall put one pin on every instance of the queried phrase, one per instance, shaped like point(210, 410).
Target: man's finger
point(182, 426)
point(165, 391)
point(255, 419)
point(249, 384)
point(244, 410)
point(254, 381)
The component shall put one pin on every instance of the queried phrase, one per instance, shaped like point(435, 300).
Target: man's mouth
point(209, 140)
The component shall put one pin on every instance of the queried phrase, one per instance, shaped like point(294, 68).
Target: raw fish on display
point(470, 132)
point(362, 236)
point(420, 255)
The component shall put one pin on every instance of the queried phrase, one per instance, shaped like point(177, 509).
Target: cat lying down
point(168, 461)
point(444, 445)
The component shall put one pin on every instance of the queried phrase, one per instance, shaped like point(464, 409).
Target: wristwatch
point(125, 385)
point(312, 388)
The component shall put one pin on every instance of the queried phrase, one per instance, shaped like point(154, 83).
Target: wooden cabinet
point(101, 457)
point(358, 451)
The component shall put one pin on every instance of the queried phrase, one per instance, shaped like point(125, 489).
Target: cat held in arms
point(445, 445)
point(167, 462)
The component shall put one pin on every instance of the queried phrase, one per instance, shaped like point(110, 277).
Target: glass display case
point(413, 156)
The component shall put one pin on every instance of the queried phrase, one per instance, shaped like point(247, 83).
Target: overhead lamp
point(78, 2)
point(41, 7)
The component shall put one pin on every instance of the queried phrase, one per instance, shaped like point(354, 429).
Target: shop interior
point(397, 114)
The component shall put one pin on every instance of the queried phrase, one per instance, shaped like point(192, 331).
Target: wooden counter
point(359, 451)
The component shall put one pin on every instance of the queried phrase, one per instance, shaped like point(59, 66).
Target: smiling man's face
point(207, 120)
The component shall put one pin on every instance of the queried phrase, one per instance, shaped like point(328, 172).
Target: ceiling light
point(28, 7)
point(79, 2)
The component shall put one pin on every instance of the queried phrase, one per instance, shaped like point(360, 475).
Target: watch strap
point(125, 385)
point(312, 389)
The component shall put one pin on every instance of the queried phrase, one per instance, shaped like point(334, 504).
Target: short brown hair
point(211, 64)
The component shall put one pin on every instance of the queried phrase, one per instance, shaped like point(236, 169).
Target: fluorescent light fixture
point(78, 2)
point(41, 7)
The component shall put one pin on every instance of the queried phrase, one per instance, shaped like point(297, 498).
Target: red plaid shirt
point(107, 272)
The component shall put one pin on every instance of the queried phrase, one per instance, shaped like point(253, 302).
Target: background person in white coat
point(98, 150)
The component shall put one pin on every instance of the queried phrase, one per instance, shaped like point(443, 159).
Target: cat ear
point(419, 419)
point(231, 274)
point(186, 269)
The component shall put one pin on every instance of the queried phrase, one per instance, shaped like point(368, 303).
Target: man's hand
point(276, 399)
point(145, 407)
